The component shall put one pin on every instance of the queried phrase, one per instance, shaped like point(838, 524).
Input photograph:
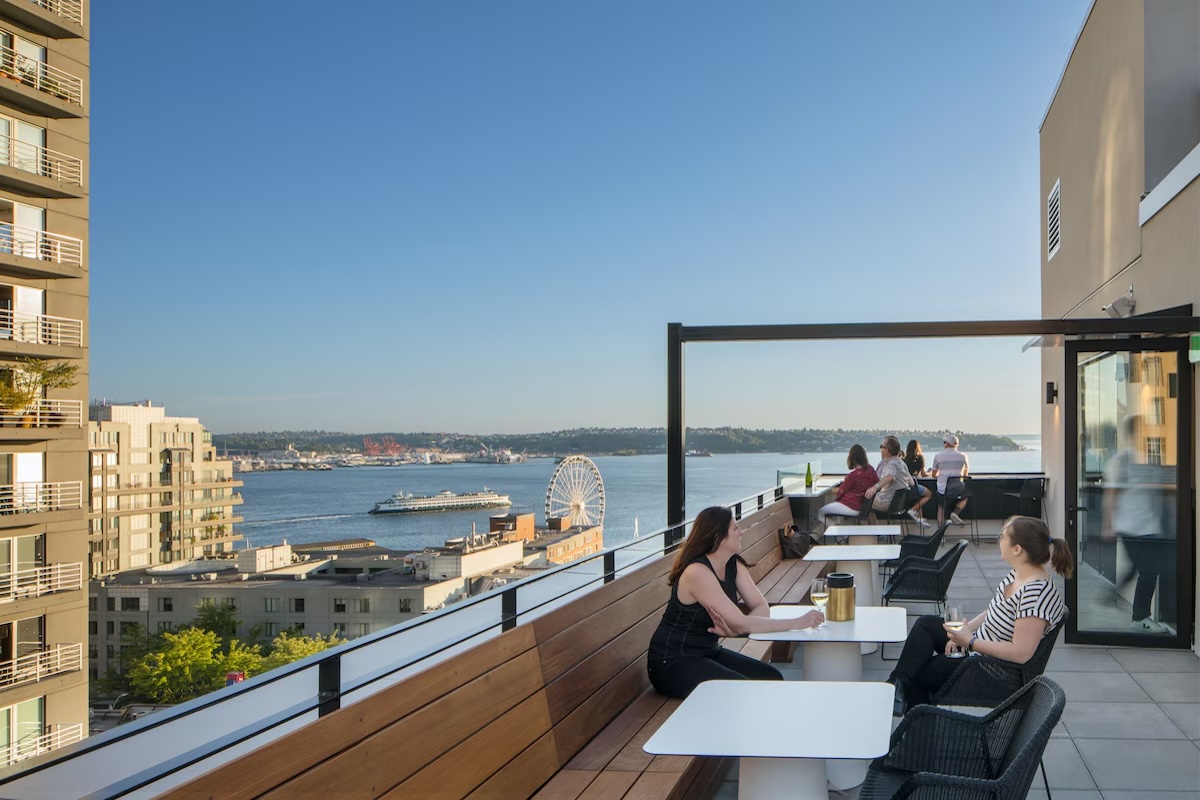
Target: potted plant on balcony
point(22, 385)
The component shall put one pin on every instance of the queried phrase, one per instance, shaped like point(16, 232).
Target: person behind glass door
point(1132, 505)
point(1025, 607)
point(853, 487)
point(706, 579)
point(950, 467)
point(914, 459)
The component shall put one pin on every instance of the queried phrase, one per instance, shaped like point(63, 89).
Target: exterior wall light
point(1051, 393)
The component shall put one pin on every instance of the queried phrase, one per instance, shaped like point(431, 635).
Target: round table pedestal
point(866, 593)
point(846, 773)
point(832, 661)
point(761, 778)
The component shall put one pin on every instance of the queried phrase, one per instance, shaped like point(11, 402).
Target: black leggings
point(923, 663)
point(677, 677)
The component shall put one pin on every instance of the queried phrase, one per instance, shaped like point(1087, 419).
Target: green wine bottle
point(808, 476)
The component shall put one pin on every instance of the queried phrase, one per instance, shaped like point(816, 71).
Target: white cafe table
point(832, 653)
point(782, 731)
point(859, 560)
point(862, 534)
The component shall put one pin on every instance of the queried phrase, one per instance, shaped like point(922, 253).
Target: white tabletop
point(779, 719)
point(810, 492)
point(862, 530)
point(870, 624)
point(853, 552)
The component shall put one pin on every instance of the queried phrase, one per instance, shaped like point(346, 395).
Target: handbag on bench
point(794, 543)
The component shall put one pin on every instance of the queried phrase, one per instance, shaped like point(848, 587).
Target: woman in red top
point(850, 494)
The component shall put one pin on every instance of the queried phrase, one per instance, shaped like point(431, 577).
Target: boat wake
point(261, 522)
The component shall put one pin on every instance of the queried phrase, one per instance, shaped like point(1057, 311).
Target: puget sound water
point(307, 506)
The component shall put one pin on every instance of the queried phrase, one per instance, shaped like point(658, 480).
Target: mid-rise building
point(158, 492)
point(44, 135)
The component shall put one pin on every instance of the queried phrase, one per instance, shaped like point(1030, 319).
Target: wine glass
point(955, 622)
point(820, 597)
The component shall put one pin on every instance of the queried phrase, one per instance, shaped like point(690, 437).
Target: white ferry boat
point(401, 503)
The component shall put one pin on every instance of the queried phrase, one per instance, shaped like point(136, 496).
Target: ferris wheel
point(576, 491)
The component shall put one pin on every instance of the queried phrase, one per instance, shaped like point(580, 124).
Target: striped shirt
point(1037, 598)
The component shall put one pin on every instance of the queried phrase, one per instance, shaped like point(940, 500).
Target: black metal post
point(676, 434)
point(508, 609)
point(610, 566)
point(329, 685)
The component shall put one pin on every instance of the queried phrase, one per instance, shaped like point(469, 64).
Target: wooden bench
point(556, 708)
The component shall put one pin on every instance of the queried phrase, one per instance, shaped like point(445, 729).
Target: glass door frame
point(1185, 535)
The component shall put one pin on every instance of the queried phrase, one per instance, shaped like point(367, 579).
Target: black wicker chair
point(919, 546)
point(986, 680)
point(924, 580)
point(936, 753)
point(897, 510)
point(1028, 501)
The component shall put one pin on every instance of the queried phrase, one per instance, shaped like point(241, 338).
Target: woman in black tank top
point(708, 576)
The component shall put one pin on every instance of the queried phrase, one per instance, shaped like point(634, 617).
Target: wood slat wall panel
point(560, 619)
point(466, 767)
point(391, 756)
point(768, 582)
point(609, 741)
point(765, 564)
point(577, 729)
point(525, 774)
point(273, 764)
point(567, 649)
point(596, 670)
point(567, 784)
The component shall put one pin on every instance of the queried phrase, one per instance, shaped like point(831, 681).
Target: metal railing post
point(610, 566)
point(508, 609)
point(676, 432)
point(329, 685)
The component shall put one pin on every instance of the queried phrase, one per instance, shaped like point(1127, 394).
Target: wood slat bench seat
point(556, 708)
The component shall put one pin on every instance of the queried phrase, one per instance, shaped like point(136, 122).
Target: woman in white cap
point(950, 467)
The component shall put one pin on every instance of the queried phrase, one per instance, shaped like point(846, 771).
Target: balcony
point(38, 581)
point(38, 87)
point(24, 334)
point(34, 422)
point(39, 254)
point(39, 171)
point(59, 19)
point(21, 500)
point(41, 664)
point(56, 736)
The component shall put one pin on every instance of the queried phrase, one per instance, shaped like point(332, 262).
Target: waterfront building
point(1120, 206)
point(158, 492)
point(44, 148)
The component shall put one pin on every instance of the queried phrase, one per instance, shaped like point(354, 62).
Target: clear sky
point(481, 216)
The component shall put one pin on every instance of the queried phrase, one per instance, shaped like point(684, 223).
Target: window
point(405, 605)
point(128, 628)
point(93, 627)
point(362, 628)
point(91, 602)
point(1154, 450)
point(110, 629)
point(164, 626)
point(131, 604)
point(297, 605)
point(139, 541)
point(1053, 222)
point(166, 604)
point(363, 605)
point(111, 652)
point(1158, 411)
point(229, 602)
point(111, 603)
point(271, 604)
point(339, 605)
point(271, 629)
point(139, 560)
point(339, 629)
point(298, 627)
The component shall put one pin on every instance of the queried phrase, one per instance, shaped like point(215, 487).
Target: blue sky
point(480, 216)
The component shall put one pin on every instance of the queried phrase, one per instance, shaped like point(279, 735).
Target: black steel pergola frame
point(679, 334)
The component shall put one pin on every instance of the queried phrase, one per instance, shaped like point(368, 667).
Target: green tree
point(187, 665)
point(217, 618)
point(136, 643)
point(288, 647)
point(242, 657)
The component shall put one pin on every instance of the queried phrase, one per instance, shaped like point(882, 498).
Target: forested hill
point(605, 441)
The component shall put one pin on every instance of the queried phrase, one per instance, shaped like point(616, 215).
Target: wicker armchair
point(986, 680)
point(920, 546)
point(936, 753)
point(924, 580)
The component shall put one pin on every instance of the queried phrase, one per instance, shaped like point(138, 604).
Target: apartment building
point(158, 494)
point(44, 140)
point(1120, 234)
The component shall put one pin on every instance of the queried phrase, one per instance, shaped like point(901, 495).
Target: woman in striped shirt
point(1026, 605)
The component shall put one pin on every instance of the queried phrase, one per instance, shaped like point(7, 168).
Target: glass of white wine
point(820, 597)
point(955, 622)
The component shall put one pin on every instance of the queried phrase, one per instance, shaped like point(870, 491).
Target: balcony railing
point(71, 10)
point(45, 414)
point(56, 736)
point(40, 161)
point(28, 498)
point(20, 326)
point(204, 731)
point(37, 581)
point(37, 666)
point(41, 76)
point(40, 245)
